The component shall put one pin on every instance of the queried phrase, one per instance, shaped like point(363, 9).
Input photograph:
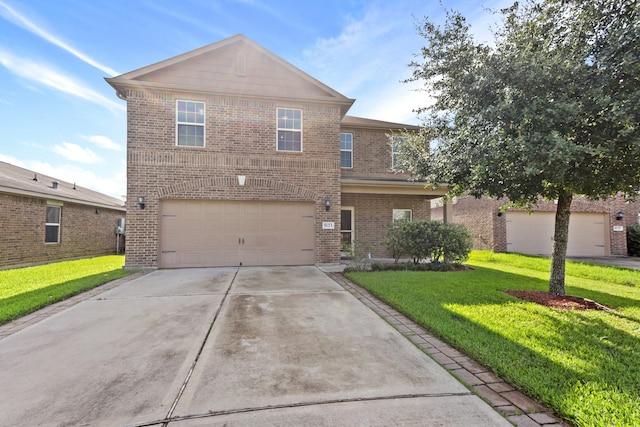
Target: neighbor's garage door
point(533, 234)
point(227, 233)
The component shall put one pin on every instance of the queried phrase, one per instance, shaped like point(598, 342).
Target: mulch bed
point(567, 302)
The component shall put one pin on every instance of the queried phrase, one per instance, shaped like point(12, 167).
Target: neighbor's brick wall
point(480, 217)
point(240, 140)
point(83, 233)
point(374, 214)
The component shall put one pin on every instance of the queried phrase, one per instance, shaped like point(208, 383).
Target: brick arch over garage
point(191, 187)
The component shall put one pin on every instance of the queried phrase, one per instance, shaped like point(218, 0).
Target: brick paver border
point(520, 409)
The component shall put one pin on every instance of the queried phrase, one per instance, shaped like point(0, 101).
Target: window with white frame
point(396, 144)
point(190, 117)
point(289, 129)
point(402, 215)
point(52, 224)
point(346, 150)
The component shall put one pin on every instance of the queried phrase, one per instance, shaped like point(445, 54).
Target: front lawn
point(585, 365)
point(24, 290)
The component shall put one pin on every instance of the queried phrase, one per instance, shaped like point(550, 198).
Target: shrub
point(633, 240)
point(433, 240)
point(393, 240)
point(457, 243)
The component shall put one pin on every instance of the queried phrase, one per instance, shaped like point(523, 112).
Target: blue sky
point(59, 117)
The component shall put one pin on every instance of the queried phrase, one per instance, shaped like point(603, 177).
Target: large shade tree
point(550, 109)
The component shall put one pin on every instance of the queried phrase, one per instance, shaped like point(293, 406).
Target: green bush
point(432, 240)
point(633, 240)
point(456, 242)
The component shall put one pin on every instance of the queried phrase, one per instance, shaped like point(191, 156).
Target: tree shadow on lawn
point(597, 370)
point(19, 305)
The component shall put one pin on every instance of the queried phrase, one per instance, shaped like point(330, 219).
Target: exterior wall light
point(241, 180)
point(141, 202)
point(327, 204)
point(619, 215)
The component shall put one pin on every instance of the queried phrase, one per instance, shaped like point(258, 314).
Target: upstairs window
point(52, 225)
point(396, 144)
point(289, 129)
point(346, 150)
point(190, 123)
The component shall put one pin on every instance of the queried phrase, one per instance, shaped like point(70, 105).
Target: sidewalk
point(519, 409)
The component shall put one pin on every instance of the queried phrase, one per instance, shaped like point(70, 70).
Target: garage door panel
point(220, 233)
point(533, 234)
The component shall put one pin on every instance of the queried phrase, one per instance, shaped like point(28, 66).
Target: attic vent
point(35, 177)
point(54, 184)
point(241, 65)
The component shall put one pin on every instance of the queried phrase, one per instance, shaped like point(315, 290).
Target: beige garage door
point(197, 233)
point(533, 234)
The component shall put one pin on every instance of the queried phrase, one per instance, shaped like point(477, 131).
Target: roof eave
point(382, 186)
point(15, 191)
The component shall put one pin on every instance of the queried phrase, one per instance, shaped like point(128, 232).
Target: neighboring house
point(596, 228)
point(236, 157)
point(45, 219)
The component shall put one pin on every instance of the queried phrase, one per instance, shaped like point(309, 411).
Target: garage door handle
point(241, 241)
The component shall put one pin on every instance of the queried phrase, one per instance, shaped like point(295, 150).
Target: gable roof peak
point(235, 66)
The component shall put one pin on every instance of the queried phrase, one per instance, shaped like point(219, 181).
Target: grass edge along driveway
point(584, 365)
point(25, 290)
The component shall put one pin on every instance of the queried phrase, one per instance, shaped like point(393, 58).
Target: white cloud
point(103, 142)
point(114, 185)
point(368, 60)
point(76, 153)
point(46, 76)
point(20, 20)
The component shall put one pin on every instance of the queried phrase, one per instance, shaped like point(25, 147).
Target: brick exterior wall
point(489, 230)
point(371, 155)
point(83, 232)
point(240, 140)
point(374, 213)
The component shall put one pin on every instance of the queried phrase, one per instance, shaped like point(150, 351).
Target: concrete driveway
point(226, 346)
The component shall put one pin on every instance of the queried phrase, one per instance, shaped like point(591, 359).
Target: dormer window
point(190, 123)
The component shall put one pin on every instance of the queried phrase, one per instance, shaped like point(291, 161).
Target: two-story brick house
point(236, 157)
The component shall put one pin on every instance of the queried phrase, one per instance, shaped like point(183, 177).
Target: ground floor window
point(52, 225)
point(346, 230)
point(402, 215)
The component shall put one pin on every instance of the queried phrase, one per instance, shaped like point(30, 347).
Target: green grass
point(24, 290)
point(583, 365)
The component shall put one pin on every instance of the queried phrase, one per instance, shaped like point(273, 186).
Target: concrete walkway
point(226, 346)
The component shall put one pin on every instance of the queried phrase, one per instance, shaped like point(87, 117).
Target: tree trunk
point(560, 241)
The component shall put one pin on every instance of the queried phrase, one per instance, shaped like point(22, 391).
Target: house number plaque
point(328, 225)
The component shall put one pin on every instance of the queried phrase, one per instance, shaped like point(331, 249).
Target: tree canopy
point(550, 109)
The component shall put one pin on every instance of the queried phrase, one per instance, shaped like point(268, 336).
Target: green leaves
point(554, 101)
